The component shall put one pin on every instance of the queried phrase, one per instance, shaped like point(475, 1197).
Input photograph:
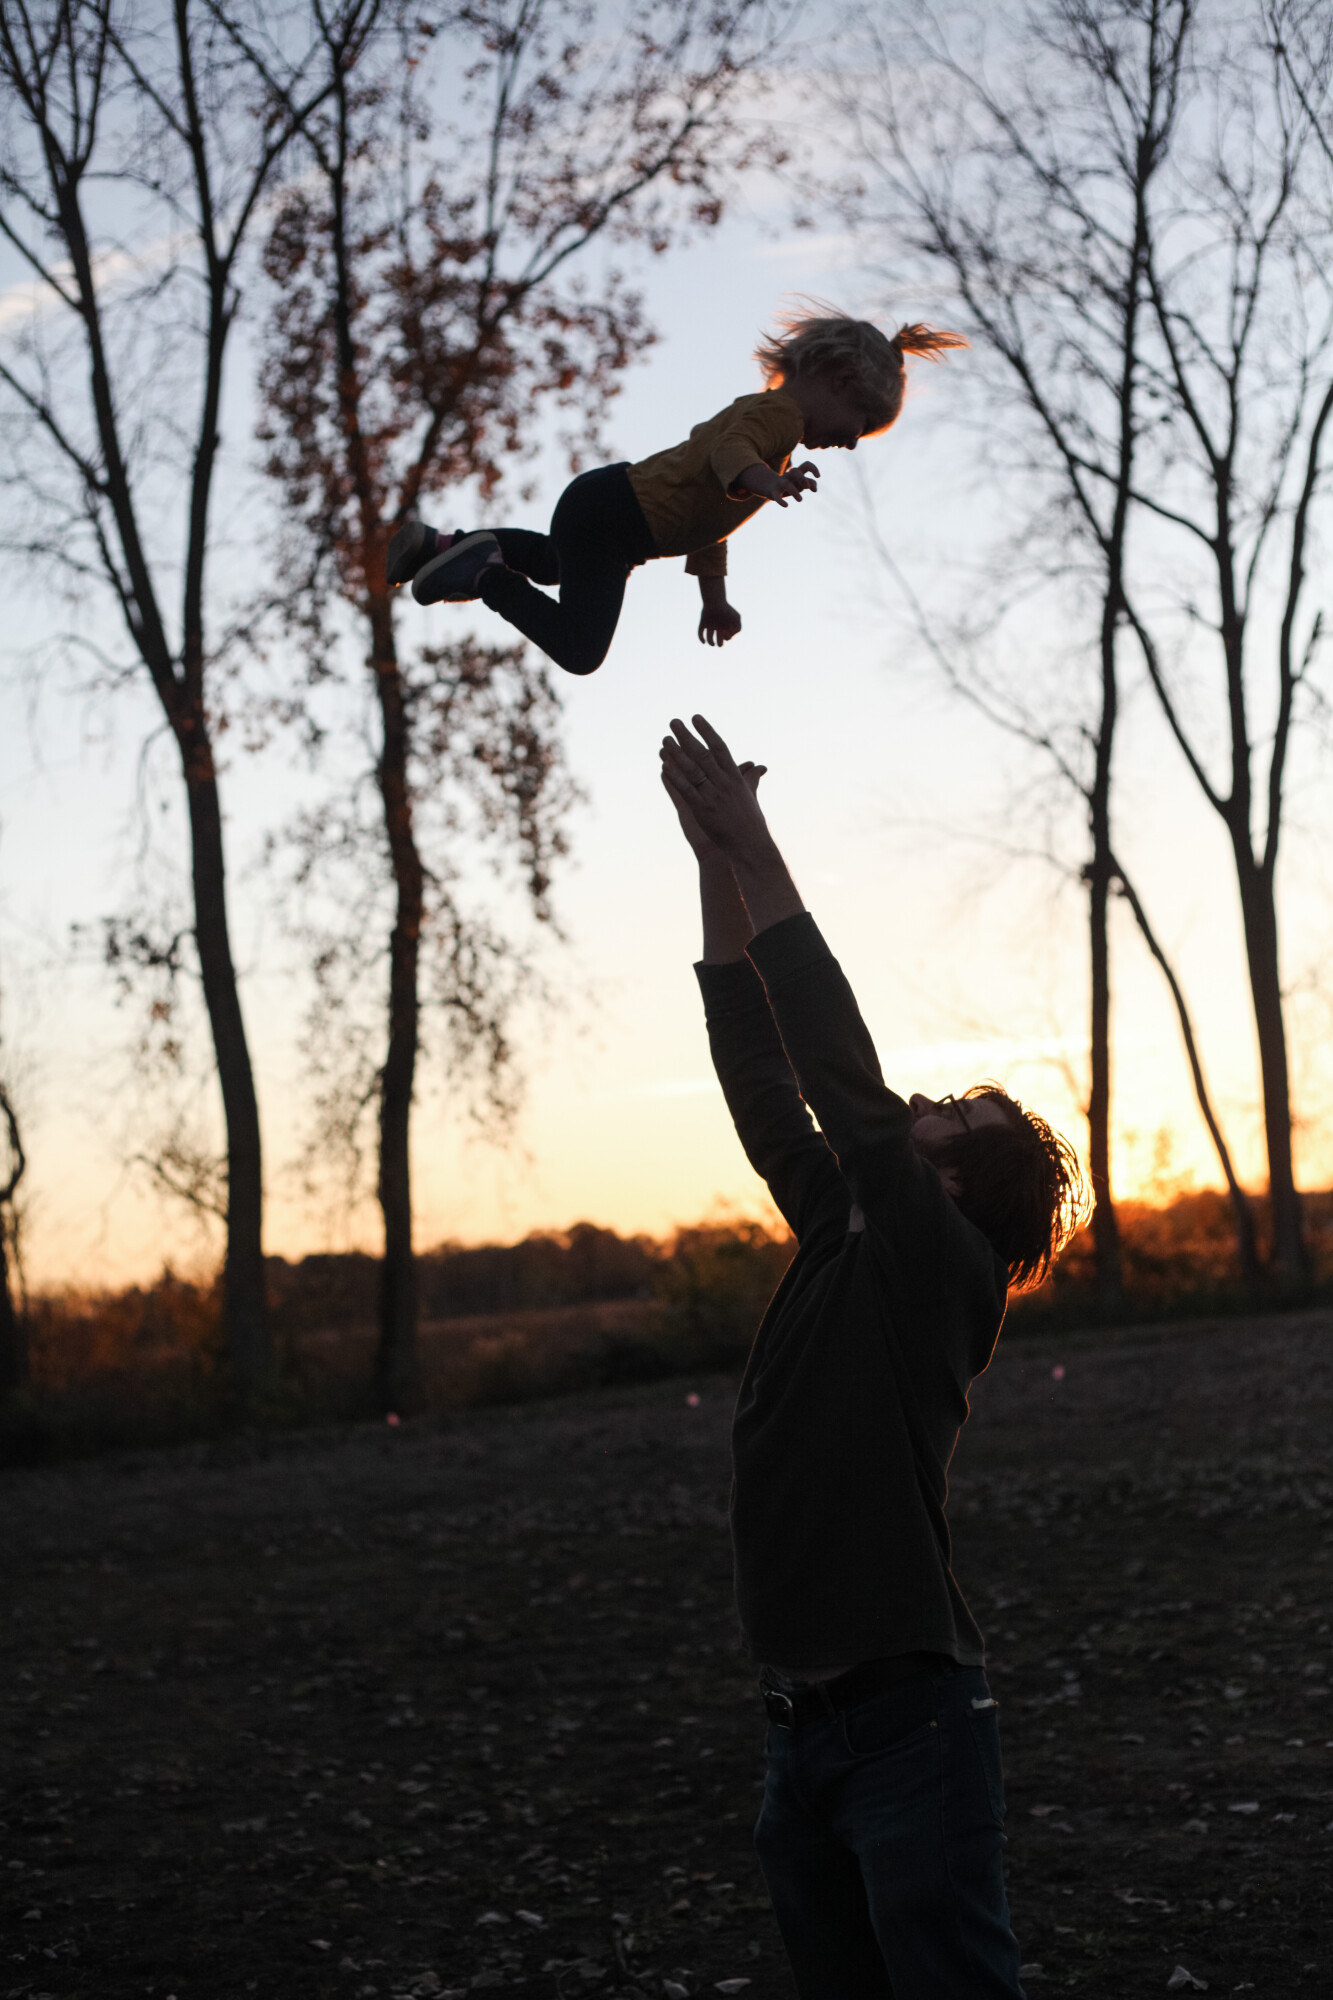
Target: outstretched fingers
point(677, 792)
point(688, 762)
point(686, 742)
point(710, 755)
point(686, 756)
point(685, 762)
point(725, 760)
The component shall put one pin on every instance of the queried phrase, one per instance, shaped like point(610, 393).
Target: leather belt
point(822, 1699)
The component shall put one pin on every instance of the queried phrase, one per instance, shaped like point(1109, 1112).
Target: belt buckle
point(781, 1708)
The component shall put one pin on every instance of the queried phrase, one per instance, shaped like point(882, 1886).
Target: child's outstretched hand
point(718, 622)
point(780, 486)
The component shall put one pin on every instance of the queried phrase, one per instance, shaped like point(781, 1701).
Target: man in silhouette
point(880, 1834)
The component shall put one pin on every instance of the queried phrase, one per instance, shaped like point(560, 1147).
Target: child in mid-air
point(831, 381)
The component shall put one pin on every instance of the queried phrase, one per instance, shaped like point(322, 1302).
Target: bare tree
point(1000, 201)
point(1240, 274)
point(429, 307)
point(138, 147)
point(1126, 207)
point(965, 669)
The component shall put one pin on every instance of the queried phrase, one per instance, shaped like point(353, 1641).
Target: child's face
point(834, 420)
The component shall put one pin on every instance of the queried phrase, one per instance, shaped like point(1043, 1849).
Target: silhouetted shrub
point(715, 1281)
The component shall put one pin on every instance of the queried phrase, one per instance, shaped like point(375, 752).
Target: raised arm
point(824, 1038)
point(772, 1123)
point(718, 798)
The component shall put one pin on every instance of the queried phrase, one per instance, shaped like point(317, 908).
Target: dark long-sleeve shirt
point(856, 1386)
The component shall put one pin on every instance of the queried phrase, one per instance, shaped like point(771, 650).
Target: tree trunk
point(1290, 1256)
point(13, 1352)
point(245, 1320)
point(396, 1370)
point(13, 1340)
point(1109, 1274)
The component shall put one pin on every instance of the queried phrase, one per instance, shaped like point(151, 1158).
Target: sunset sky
point(914, 832)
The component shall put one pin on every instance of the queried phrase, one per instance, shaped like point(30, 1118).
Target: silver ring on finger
point(699, 778)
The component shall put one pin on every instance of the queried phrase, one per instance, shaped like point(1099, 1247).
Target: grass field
point(457, 1706)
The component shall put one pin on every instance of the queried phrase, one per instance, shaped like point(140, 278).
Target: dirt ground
point(459, 1706)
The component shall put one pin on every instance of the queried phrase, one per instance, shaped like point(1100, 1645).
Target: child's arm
point(719, 620)
point(780, 486)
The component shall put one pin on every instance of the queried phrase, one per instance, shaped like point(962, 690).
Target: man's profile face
point(937, 1120)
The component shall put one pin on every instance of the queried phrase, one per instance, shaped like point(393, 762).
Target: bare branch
point(1289, 675)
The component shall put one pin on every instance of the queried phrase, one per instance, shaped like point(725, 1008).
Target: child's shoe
point(413, 545)
point(452, 577)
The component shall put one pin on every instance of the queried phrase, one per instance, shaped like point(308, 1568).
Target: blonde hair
point(816, 337)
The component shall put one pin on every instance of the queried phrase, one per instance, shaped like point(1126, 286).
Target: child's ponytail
point(932, 341)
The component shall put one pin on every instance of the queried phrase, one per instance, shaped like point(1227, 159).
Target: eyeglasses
point(958, 1104)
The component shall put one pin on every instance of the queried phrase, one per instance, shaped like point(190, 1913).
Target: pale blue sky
point(888, 799)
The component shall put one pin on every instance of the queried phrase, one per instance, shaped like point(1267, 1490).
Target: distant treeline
point(1172, 1255)
point(561, 1311)
point(1177, 1257)
point(576, 1266)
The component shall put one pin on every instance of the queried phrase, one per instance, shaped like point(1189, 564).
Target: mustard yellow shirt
point(685, 492)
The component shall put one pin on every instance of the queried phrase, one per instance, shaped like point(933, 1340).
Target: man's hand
point(726, 921)
point(706, 782)
point(705, 848)
point(780, 486)
point(712, 793)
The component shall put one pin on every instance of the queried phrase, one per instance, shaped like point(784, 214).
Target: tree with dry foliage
point(138, 148)
point(432, 312)
point(1129, 202)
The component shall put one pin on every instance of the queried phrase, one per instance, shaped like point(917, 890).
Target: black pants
point(598, 535)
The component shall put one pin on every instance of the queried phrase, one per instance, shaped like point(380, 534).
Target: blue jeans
point(880, 1841)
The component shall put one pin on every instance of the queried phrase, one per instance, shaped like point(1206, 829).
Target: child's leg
point(576, 632)
point(599, 535)
point(531, 555)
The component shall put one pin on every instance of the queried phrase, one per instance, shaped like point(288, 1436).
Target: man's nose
point(921, 1105)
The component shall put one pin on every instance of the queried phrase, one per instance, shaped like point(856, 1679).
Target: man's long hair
point(1021, 1184)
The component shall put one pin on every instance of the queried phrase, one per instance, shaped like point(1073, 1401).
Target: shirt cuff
point(708, 561)
point(787, 947)
point(728, 988)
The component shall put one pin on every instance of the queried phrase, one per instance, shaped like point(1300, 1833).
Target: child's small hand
point(779, 486)
point(793, 483)
point(718, 622)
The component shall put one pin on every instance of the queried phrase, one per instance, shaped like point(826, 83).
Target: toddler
point(832, 380)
